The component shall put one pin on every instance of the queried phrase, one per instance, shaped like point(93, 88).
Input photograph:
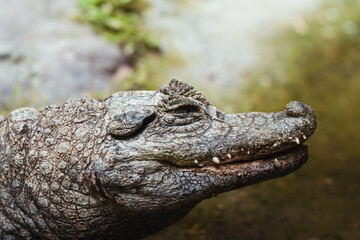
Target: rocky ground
point(42, 50)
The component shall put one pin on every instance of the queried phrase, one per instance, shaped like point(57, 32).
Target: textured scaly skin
point(136, 162)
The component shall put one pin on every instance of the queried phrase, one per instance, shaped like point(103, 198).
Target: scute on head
point(176, 88)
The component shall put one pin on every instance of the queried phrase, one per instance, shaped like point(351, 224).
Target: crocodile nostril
point(297, 109)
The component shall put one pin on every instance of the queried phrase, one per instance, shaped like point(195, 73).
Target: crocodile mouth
point(282, 162)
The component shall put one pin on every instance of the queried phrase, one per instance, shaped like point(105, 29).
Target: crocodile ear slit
point(129, 123)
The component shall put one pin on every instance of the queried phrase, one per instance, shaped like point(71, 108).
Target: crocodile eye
point(183, 115)
point(186, 109)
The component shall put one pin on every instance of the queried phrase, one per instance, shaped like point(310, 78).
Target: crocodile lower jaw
point(283, 162)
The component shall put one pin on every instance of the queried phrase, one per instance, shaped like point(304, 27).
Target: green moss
point(120, 22)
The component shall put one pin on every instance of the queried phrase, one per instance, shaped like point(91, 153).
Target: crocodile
point(136, 162)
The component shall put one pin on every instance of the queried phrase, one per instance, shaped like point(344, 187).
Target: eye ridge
point(184, 114)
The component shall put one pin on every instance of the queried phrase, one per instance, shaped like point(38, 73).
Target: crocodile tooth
point(304, 137)
point(216, 160)
point(277, 164)
point(297, 140)
point(275, 144)
point(228, 155)
point(196, 161)
point(248, 152)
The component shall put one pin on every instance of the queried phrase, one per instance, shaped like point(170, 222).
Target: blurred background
point(244, 56)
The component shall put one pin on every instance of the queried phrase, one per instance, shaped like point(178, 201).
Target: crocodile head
point(135, 163)
point(170, 149)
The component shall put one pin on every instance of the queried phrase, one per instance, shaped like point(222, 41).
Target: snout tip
point(298, 109)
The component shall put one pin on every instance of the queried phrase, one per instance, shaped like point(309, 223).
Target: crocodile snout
point(298, 109)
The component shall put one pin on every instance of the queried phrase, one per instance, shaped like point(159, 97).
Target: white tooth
point(275, 144)
point(297, 140)
point(242, 149)
point(248, 152)
point(196, 161)
point(277, 164)
point(228, 155)
point(304, 137)
point(216, 160)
